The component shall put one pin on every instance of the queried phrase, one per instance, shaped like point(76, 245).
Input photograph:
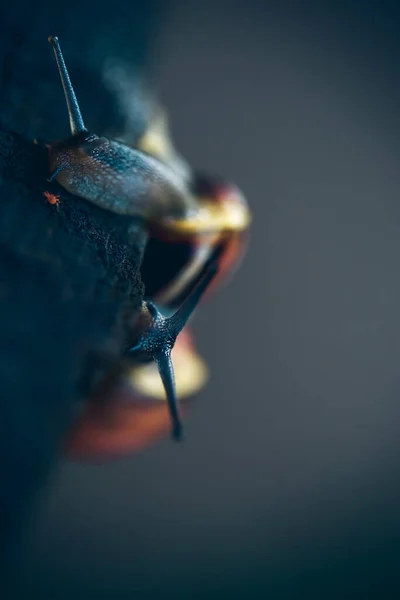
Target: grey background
point(287, 483)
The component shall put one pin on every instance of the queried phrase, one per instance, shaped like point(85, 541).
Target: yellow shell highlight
point(211, 216)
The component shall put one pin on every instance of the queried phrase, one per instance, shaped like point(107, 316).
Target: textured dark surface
point(68, 288)
point(68, 273)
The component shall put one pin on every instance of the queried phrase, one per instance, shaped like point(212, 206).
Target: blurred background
point(287, 485)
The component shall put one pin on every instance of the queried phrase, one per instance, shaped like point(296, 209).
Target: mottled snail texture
point(196, 224)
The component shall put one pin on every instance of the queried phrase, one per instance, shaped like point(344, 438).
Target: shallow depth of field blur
point(288, 478)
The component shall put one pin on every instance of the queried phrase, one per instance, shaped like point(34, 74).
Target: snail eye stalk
point(158, 339)
point(74, 112)
point(166, 370)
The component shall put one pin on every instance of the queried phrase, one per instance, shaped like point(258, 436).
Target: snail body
point(112, 174)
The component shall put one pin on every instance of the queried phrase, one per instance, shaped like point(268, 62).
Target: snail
point(197, 224)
